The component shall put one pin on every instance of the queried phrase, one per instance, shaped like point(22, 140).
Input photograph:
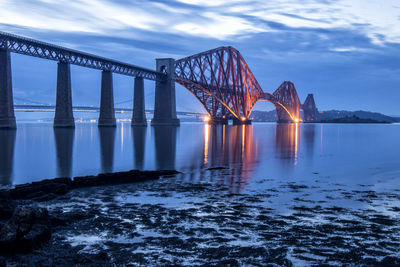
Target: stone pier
point(7, 117)
point(139, 116)
point(165, 104)
point(107, 114)
point(64, 116)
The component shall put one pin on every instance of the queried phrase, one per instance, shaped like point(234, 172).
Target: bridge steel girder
point(34, 48)
point(221, 80)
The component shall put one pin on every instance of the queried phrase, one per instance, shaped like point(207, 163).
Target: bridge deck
point(31, 47)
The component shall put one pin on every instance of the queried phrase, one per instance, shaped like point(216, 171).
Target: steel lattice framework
point(310, 109)
point(30, 47)
point(224, 84)
point(221, 80)
point(287, 102)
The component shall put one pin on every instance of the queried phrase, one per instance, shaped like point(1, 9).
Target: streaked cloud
point(220, 19)
point(327, 47)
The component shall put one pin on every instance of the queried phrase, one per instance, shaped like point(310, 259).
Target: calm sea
point(342, 153)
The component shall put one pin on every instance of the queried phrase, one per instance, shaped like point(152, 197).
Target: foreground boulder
point(28, 228)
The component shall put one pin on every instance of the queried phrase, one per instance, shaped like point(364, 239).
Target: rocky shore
point(25, 226)
point(175, 221)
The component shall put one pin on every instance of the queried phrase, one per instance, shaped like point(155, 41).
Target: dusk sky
point(345, 52)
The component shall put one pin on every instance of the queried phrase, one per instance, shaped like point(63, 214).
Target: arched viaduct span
point(220, 79)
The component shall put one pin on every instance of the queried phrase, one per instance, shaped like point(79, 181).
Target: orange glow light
point(243, 118)
point(206, 118)
point(296, 120)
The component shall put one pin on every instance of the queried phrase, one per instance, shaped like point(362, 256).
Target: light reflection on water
point(351, 153)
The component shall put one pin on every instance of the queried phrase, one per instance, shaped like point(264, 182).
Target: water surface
point(302, 194)
point(342, 153)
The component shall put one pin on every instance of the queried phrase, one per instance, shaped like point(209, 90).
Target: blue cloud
point(337, 59)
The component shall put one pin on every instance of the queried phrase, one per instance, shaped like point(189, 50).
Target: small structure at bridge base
point(7, 117)
point(218, 121)
point(138, 116)
point(241, 122)
point(165, 103)
point(107, 114)
point(63, 115)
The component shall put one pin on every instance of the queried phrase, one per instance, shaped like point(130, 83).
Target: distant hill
point(352, 119)
point(337, 114)
point(329, 115)
point(266, 116)
point(397, 118)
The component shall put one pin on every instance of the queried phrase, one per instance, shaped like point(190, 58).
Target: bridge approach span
point(34, 48)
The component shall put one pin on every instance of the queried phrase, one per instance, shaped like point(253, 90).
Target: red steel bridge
point(220, 79)
point(223, 82)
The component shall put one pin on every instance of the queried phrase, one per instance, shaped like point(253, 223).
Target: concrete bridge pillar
point(107, 114)
point(138, 116)
point(64, 116)
point(165, 104)
point(7, 117)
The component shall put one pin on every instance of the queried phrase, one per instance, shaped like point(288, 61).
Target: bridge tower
point(107, 114)
point(165, 103)
point(138, 116)
point(7, 117)
point(63, 116)
point(310, 109)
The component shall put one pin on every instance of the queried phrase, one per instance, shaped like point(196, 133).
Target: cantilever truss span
point(222, 81)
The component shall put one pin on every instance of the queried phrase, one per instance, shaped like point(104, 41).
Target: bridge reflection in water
point(7, 143)
point(231, 147)
point(107, 144)
point(287, 140)
point(64, 138)
point(248, 153)
point(165, 146)
point(139, 143)
point(243, 151)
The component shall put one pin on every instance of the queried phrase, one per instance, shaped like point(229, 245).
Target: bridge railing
point(30, 47)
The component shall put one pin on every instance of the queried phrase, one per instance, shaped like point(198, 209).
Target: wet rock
point(383, 220)
point(390, 261)
point(102, 256)
point(217, 168)
point(132, 176)
point(57, 186)
point(51, 188)
point(7, 207)
point(27, 229)
point(227, 262)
